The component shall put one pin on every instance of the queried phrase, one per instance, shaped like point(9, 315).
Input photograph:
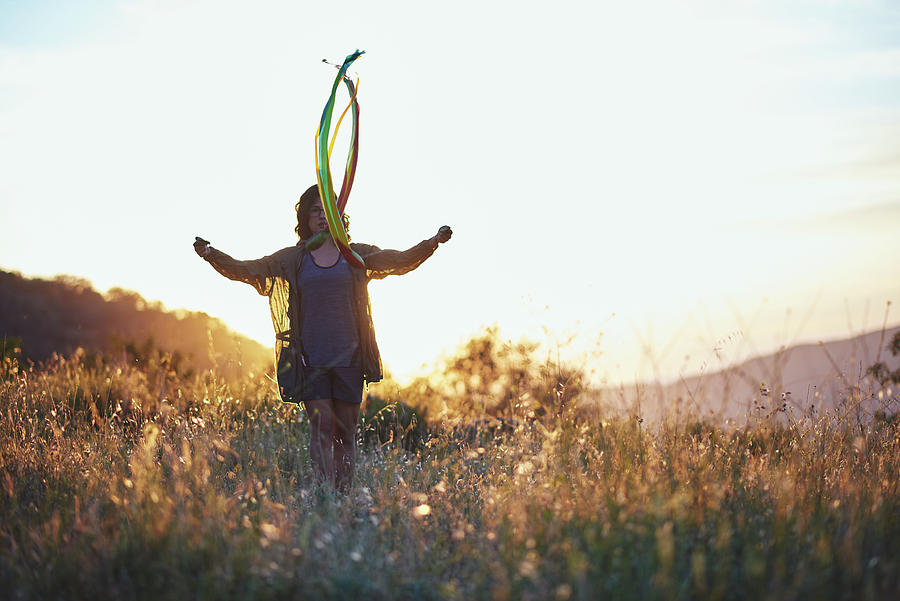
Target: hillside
point(811, 377)
point(127, 483)
point(42, 317)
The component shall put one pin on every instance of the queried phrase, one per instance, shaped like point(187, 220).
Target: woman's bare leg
point(346, 417)
point(321, 435)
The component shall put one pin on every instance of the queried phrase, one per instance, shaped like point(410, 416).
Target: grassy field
point(124, 482)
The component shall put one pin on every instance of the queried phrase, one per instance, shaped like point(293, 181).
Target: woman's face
point(317, 222)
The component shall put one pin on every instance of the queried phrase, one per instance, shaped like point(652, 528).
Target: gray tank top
point(328, 323)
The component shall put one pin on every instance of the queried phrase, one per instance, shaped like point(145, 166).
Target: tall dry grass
point(125, 482)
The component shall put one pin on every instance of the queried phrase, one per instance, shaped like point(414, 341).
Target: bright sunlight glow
point(647, 175)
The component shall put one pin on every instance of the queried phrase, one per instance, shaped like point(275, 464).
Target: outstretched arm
point(257, 273)
point(381, 263)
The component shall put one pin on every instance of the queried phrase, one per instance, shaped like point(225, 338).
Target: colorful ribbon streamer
point(334, 207)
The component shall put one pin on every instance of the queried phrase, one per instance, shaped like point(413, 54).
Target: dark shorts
point(338, 383)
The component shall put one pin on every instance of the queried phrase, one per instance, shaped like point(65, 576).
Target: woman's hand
point(201, 246)
point(443, 234)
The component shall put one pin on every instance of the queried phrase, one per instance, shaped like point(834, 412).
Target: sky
point(651, 187)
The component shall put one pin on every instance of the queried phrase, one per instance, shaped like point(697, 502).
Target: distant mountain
point(43, 317)
point(807, 377)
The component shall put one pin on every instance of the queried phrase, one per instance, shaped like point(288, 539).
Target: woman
point(324, 339)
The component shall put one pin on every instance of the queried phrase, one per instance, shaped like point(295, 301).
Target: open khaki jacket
point(276, 275)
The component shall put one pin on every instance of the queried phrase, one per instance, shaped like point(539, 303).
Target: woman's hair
point(303, 206)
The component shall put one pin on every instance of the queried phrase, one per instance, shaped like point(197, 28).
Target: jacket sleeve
point(381, 263)
point(259, 273)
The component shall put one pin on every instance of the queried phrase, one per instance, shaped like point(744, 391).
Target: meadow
point(506, 479)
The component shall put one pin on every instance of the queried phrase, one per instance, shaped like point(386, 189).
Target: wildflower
point(269, 530)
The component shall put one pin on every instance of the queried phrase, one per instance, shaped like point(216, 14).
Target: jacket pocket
point(289, 375)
